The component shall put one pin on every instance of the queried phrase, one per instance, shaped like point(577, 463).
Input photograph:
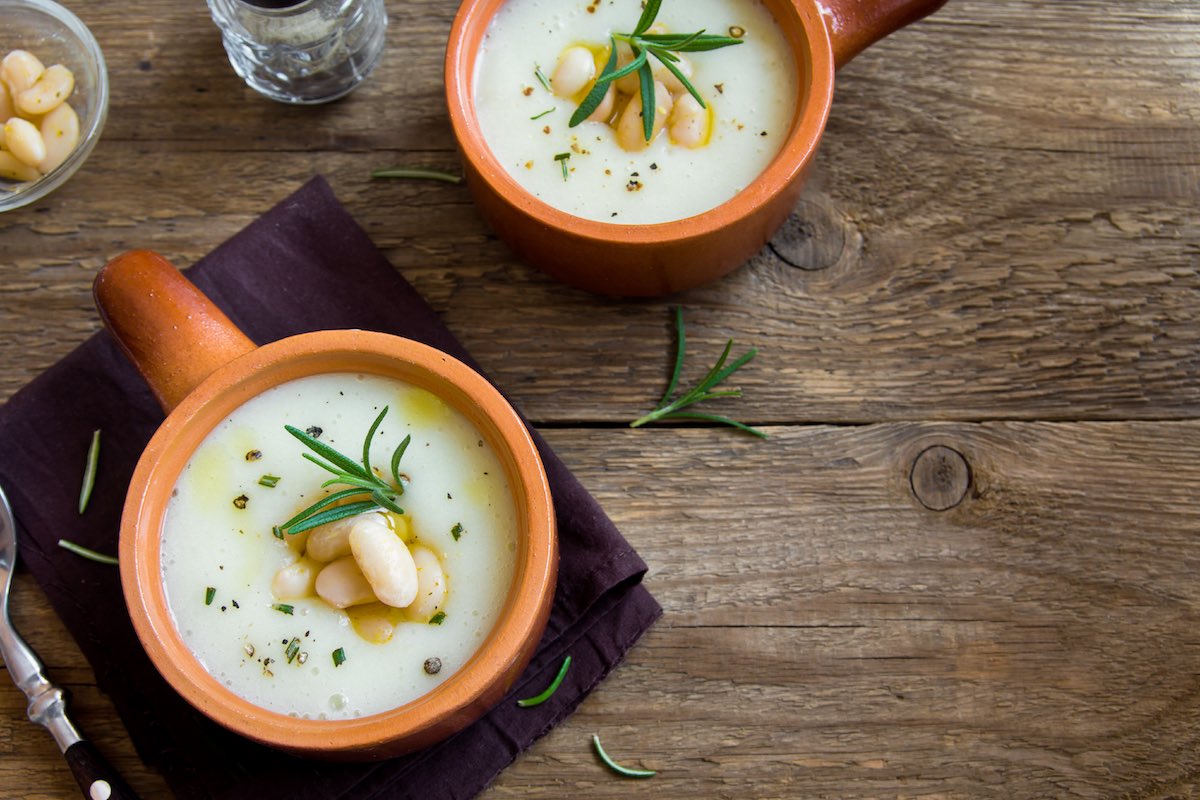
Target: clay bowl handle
point(855, 25)
point(167, 327)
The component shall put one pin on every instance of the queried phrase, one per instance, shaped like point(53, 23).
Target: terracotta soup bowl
point(665, 257)
point(202, 367)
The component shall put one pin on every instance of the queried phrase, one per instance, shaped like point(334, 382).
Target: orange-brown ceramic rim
point(808, 37)
point(461, 698)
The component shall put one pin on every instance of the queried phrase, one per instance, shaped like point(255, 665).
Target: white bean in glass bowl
point(55, 36)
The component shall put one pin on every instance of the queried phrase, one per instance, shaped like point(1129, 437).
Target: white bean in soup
point(251, 605)
point(698, 157)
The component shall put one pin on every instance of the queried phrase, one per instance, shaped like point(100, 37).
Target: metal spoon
point(47, 705)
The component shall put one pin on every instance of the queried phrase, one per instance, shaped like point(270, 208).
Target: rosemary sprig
point(370, 490)
point(663, 47)
point(704, 390)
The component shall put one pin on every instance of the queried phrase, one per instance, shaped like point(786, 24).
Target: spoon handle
point(97, 779)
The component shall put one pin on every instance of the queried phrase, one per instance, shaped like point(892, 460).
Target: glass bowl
point(56, 36)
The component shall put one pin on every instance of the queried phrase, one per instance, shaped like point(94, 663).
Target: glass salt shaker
point(301, 51)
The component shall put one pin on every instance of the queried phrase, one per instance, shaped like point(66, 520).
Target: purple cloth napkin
point(306, 253)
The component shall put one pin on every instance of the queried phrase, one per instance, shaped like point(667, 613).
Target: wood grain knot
point(814, 237)
point(940, 477)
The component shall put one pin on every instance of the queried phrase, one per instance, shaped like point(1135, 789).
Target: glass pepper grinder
point(306, 52)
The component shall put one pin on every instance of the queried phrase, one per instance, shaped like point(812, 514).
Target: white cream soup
point(750, 88)
point(220, 556)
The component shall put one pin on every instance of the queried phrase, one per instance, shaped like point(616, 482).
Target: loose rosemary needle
point(89, 471)
point(668, 408)
point(628, 772)
point(538, 699)
point(87, 553)
point(417, 174)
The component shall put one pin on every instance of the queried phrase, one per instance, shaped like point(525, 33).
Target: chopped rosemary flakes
point(438, 618)
point(269, 481)
point(339, 657)
point(457, 531)
point(284, 608)
point(209, 594)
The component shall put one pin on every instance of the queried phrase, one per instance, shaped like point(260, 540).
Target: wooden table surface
point(997, 256)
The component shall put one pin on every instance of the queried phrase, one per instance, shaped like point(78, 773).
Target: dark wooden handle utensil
point(47, 703)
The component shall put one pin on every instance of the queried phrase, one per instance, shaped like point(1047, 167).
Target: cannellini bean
point(374, 622)
point(51, 88)
point(576, 69)
point(24, 141)
point(342, 584)
point(627, 84)
point(401, 525)
point(603, 112)
point(60, 133)
point(15, 170)
point(384, 560)
point(689, 123)
point(668, 78)
point(630, 134)
point(7, 109)
point(20, 69)
point(332, 540)
point(296, 580)
point(431, 585)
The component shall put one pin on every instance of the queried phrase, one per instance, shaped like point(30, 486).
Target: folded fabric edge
point(598, 643)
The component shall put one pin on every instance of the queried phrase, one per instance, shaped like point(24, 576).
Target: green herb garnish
point(457, 531)
point(339, 657)
point(617, 768)
point(371, 490)
point(663, 46)
point(293, 649)
point(278, 534)
point(284, 608)
point(89, 471)
point(438, 618)
point(541, 77)
point(92, 555)
point(544, 113)
point(673, 409)
point(562, 158)
point(537, 700)
point(209, 594)
point(417, 174)
point(270, 481)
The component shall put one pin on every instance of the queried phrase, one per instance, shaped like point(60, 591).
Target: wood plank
point(1050, 252)
point(826, 633)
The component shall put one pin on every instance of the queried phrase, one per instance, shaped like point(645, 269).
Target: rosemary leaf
point(649, 98)
point(597, 92)
point(328, 453)
point(87, 553)
point(89, 471)
point(628, 772)
point(396, 456)
point(332, 515)
point(327, 500)
point(649, 12)
point(366, 459)
point(417, 174)
point(545, 694)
